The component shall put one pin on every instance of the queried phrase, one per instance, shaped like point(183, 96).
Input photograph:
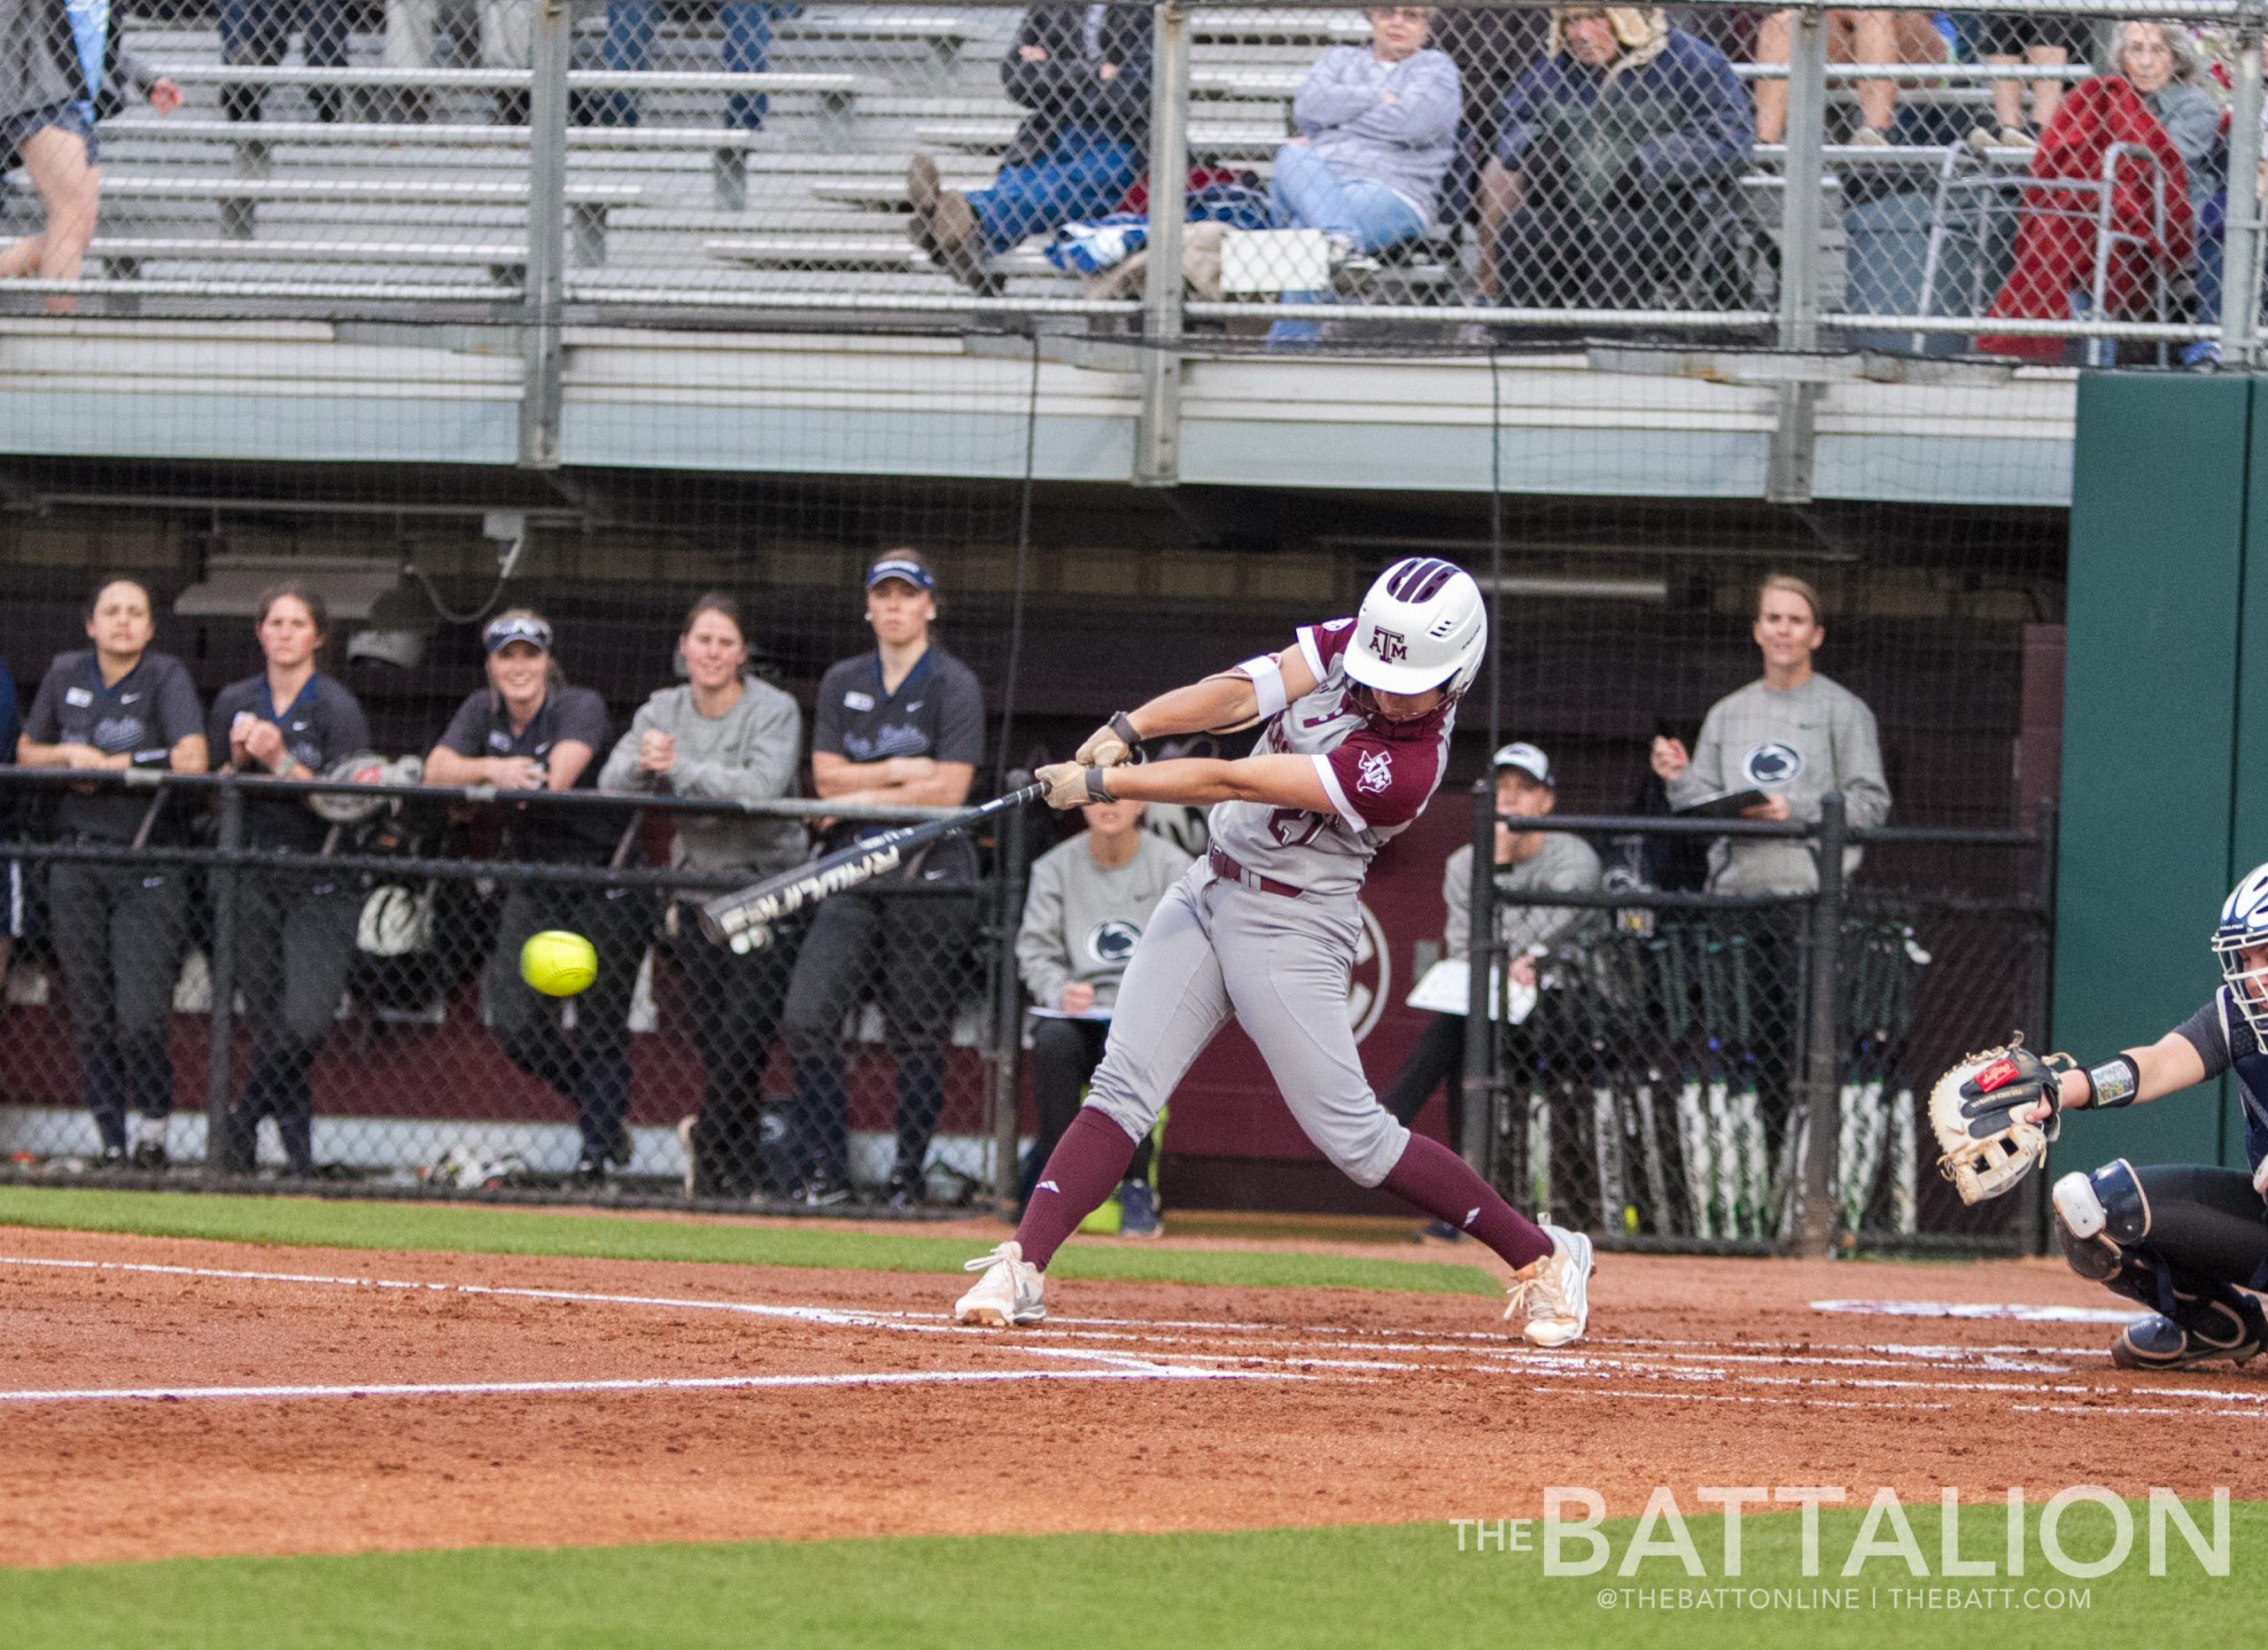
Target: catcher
point(2185, 1240)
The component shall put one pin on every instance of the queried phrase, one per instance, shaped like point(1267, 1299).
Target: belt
point(1229, 871)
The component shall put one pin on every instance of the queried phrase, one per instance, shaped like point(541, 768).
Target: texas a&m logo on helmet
point(1391, 646)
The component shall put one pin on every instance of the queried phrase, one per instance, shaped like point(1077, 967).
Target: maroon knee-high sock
point(1085, 1168)
point(1443, 1185)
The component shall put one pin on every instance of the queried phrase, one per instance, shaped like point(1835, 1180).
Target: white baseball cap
point(1528, 760)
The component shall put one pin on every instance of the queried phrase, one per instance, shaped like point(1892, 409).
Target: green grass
point(1256, 1590)
point(455, 1229)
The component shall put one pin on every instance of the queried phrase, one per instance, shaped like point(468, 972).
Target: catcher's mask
point(2244, 927)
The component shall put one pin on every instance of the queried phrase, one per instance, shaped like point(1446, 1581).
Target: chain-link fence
point(2034, 184)
point(1658, 1058)
point(182, 997)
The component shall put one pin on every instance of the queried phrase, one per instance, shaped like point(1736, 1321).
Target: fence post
point(1799, 211)
point(1007, 996)
point(539, 397)
point(2039, 1010)
point(1817, 1088)
point(2239, 315)
point(1157, 446)
point(1479, 1084)
point(220, 1026)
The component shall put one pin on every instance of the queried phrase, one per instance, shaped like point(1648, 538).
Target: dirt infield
point(165, 1397)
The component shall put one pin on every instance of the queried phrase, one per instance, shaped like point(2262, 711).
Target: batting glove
point(1071, 785)
point(1109, 744)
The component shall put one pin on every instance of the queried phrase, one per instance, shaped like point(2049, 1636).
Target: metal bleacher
point(419, 185)
point(422, 180)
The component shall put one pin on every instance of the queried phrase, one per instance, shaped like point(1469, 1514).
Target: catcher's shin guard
point(2099, 1218)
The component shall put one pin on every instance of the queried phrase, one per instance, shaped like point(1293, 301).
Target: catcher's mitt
point(1988, 1148)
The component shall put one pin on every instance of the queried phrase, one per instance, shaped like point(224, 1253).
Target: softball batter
point(1356, 718)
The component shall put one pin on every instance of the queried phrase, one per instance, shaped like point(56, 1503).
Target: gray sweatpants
point(1213, 949)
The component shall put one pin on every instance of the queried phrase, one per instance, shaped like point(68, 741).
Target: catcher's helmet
point(2244, 925)
point(1422, 625)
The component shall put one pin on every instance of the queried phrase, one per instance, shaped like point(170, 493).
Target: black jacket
point(1064, 90)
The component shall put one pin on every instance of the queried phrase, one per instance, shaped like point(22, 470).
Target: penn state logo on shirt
point(1772, 763)
point(1112, 941)
point(118, 733)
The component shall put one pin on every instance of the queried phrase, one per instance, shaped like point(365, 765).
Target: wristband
point(2113, 1084)
point(1123, 725)
point(1095, 792)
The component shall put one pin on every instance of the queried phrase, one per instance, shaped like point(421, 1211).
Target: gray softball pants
point(1280, 965)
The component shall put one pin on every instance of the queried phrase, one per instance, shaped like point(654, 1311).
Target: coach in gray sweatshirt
point(723, 735)
point(1795, 736)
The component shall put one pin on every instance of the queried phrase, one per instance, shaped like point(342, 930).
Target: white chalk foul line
point(659, 1383)
point(1977, 1309)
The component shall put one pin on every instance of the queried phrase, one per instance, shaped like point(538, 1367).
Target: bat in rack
point(744, 919)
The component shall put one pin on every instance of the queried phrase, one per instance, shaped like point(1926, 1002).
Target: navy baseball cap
point(898, 567)
point(1527, 760)
point(501, 633)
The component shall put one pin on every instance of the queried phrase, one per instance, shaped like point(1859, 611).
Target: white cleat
point(1554, 1293)
point(1010, 1293)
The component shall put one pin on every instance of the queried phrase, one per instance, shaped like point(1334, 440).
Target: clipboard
point(1447, 988)
point(1729, 806)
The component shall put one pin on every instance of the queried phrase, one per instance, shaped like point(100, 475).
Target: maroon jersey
point(1379, 776)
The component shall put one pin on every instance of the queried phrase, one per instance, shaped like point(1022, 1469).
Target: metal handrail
point(257, 786)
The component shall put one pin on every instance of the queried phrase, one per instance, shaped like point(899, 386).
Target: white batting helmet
point(1422, 625)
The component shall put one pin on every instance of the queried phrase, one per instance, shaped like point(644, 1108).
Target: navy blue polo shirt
point(146, 712)
point(322, 724)
point(937, 712)
point(582, 835)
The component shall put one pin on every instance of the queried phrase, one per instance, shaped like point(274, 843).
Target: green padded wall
point(2169, 506)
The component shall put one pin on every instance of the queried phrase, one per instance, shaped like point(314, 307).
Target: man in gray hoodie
point(726, 736)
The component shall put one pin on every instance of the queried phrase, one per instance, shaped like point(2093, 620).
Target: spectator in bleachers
point(118, 926)
point(1528, 862)
point(2045, 41)
point(630, 27)
point(1088, 901)
point(257, 33)
point(45, 126)
point(1619, 151)
point(1083, 72)
point(506, 41)
point(1378, 129)
point(2149, 94)
point(903, 724)
point(1491, 47)
point(2162, 63)
point(725, 735)
point(1852, 37)
point(528, 729)
point(295, 931)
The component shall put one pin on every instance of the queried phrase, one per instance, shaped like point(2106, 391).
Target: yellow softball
point(558, 963)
